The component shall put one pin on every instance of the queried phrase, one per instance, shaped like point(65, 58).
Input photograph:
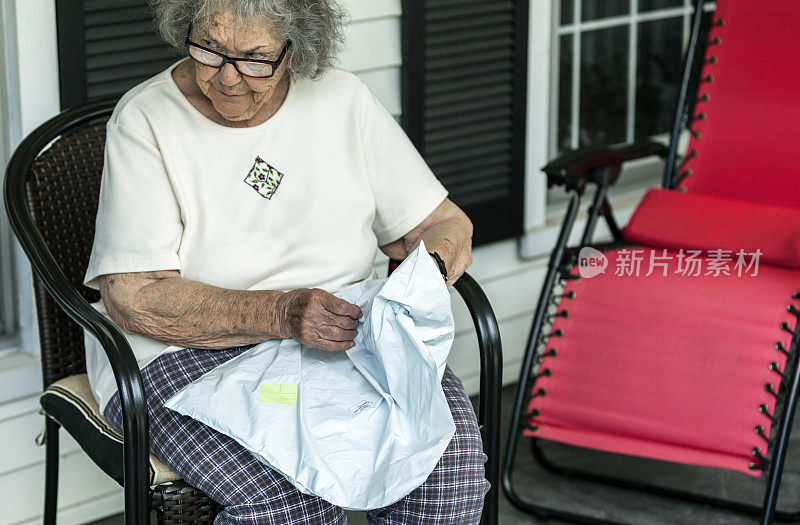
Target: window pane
point(593, 9)
point(604, 85)
point(565, 93)
point(658, 75)
point(567, 12)
point(649, 5)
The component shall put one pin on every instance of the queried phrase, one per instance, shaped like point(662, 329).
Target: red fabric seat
point(626, 332)
point(747, 117)
point(676, 220)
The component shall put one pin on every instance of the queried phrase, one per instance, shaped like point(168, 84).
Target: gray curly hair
point(315, 27)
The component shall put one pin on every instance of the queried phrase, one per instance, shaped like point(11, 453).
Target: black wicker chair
point(51, 192)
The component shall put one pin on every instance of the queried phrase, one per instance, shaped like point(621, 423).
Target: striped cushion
point(70, 402)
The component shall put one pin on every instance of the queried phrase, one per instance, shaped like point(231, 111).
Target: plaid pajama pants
point(252, 493)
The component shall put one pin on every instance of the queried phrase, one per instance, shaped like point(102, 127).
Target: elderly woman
point(241, 186)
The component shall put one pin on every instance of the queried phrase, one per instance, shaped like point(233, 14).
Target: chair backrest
point(60, 165)
point(746, 122)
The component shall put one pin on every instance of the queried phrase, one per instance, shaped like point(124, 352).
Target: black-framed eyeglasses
point(249, 67)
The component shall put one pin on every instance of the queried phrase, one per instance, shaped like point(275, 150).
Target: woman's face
point(234, 96)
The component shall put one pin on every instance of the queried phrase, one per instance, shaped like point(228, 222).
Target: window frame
point(8, 305)
point(542, 219)
point(575, 29)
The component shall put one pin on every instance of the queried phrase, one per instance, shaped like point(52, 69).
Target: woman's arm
point(446, 231)
point(181, 312)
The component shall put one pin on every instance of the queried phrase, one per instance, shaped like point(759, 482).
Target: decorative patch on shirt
point(264, 178)
point(278, 393)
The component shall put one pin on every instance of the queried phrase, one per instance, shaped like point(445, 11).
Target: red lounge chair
point(678, 341)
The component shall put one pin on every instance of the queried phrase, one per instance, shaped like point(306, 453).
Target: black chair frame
point(139, 499)
point(601, 167)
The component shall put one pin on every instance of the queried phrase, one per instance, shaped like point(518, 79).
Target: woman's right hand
point(318, 319)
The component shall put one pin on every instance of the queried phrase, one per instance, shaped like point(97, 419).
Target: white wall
point(373, 52)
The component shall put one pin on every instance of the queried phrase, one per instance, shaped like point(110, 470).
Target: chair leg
point(51, 471)
point(781, 440)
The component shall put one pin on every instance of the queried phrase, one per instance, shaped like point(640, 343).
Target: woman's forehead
point(241, 34)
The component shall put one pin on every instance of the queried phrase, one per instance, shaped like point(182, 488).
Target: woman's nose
point(228, 75)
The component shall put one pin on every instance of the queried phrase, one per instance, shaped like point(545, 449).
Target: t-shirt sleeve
point(138, 226)
point(405, 189)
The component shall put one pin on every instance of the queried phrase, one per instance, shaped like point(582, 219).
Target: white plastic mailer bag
point(360, 429)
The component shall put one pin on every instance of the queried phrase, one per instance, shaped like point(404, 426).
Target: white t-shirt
point(302, 200)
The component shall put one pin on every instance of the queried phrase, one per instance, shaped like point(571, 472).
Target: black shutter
point(464, 95)
point(106, 47)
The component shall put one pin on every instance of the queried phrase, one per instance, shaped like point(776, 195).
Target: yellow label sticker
point(278, 393)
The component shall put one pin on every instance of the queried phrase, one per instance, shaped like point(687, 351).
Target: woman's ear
point(290, 60)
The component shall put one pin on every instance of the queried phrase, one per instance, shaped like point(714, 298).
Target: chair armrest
point(491, 383)
point(574, 169)
point(123, 363)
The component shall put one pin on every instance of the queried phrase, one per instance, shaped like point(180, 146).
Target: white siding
point(86, 494)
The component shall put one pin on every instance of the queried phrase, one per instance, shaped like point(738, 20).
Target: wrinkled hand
point(318, 319)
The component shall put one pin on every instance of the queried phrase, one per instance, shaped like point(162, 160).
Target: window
point(617, 72)
point(619, 68)
point(612, 77)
